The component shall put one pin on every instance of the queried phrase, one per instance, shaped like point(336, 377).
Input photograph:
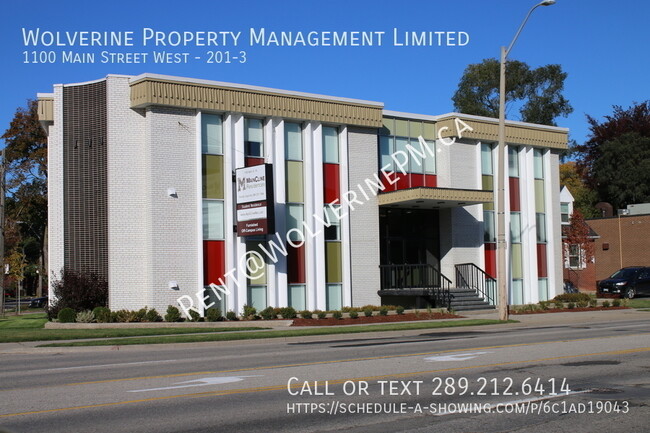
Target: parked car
point(627, 282)
point(38, 302)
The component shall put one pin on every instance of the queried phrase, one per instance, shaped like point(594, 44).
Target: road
point(563, 375)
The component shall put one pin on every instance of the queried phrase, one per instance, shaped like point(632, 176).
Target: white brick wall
point(364, 220)
point(128, 204)
point(55, 189)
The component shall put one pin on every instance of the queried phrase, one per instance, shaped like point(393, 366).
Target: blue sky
point(602, 45)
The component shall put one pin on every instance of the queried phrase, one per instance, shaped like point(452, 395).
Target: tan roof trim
point(46, 109)
point(430, 197)
point(485, 129)
point(158, 91)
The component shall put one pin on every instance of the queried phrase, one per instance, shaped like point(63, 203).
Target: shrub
point(353, 314)
point(367, 312)
point(288, 313)
point(605, 304)
point(152, 316)
point(102, 314)
point(195, 316)
point(66, 315)
point(85, 317)
point(582, 304)
point(306, 314)
point(126, 316)
point(80, 291)
point(544, 305)
point(320, 314)
point(615, 303)
point(231, 315)
point(249, 311)
point(571, 305)
point(383, 311)
point(140, 315)
point(558, 304)
point(268, 313)
point(173, 314)
point(593, 303)
point(337, 314)
point(213, 315)
point(399, 309)
point(572, 297)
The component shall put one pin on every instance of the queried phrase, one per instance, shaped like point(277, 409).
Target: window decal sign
point(254, 197)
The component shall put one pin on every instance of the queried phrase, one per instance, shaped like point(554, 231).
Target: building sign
point(254, 192)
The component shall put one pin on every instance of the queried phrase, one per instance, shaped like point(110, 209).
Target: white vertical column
point(346, 265)
point(199, 213)
point(310, 265)
point(529, 226)
point(551, 205)
point(270, 146)
point(318, 242)
point(230, 238)
point(279, 182)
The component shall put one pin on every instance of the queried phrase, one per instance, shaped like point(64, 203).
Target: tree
point(26, 188)
point(635, 119)
point(584, 197)
point(622, 170)
point(578, 235)
point(539, 91)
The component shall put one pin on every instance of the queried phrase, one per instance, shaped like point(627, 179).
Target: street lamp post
point(502, 172)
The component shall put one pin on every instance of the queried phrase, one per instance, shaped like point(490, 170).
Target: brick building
point(353, 204)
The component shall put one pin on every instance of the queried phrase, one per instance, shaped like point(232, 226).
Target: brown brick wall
point(635, 237)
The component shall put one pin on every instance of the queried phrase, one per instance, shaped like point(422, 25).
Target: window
point(486, 158)
point(538, 159)
point(213, 220)
point(564, 212)
point(575, 256)
point(386, 150)
point(330, 145)
point(333, 232)
point(513, 161)
point(430, 161)
point(417, 162)
point(211, 134)
point(254, 138)
point(515, 227)
point(488, 226)
point(334, 297)
point(294, 221)
point(293, 141)
point(541, 227)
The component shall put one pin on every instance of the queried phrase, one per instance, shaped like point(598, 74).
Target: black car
point(38, 302)
point(627, 282)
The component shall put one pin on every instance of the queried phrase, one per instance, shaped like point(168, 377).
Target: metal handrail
point(417, 276)
point(470, 276)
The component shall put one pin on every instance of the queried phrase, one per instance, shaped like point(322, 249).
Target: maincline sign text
point(254, 193)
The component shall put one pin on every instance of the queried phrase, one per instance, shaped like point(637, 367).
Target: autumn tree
point(26, 188)
point(578, 235)
point(537, 92)
point(584, 197)
point(615, 160)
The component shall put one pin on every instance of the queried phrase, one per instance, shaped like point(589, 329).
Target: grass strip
point(325, 330)
point(638, 303)
point(17, 335)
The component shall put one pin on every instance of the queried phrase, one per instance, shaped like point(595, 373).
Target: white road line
point(108, 365)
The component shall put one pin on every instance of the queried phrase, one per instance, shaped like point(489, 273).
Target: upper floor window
point(513, 161)
point(538, 162)
point(293, 141)
point(254, 138)
point(330, 145)
point(211, 134)
point(486, 159)
point(564, 212)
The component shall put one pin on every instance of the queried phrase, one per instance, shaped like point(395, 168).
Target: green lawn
point(29, 327)
point(325, 330)
point(639, 303)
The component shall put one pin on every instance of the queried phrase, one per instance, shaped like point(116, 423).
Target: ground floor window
point(334, 297)
point(297, 298)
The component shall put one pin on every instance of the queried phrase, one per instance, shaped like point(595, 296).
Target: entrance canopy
point(434, 198)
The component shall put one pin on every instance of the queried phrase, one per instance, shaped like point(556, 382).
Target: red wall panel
point(542, 271)
point(417, 180)
point(430, 180)
point(296, 264)
point(491, 259)
point(214, 262)
point(331, 183)
point(515, 200)
point(249, 162)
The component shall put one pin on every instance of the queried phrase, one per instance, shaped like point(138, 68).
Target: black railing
point(420, 276)
point(470, 276)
